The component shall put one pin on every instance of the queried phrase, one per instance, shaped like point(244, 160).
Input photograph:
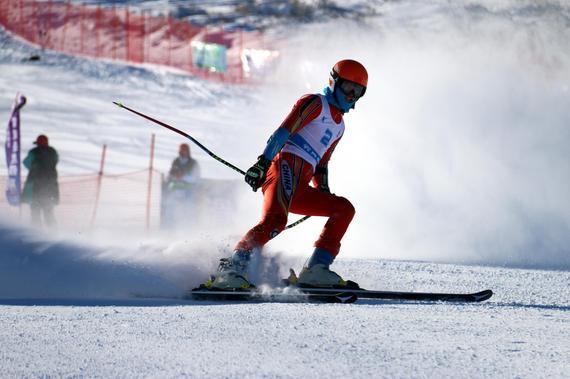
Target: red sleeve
point(305, 110)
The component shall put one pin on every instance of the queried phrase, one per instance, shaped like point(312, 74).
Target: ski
point(332, 295)
point(409, 296)
point(274, 295)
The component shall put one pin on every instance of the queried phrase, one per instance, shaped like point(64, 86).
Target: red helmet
point(350, 76)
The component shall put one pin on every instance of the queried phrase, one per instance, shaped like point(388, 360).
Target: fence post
point(191, 56)
point(64, 29)
point(142, 30)
point(169, 39)
point(241, 73)
point(99, 182)
point(81, 21)
point(96, 31)
point(20, 17)
point(39, 18)
point(114, 32)
point(20, 170)
point(36, 34)
point(127, 36)
point(49, 28)
point(149, 190)
point(146, 56)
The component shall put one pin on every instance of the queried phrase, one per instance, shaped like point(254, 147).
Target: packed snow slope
point(457, 153)
point(456, 161)
point(75, 315)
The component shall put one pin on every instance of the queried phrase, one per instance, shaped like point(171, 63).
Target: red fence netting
point(137, 37)
point(122, 202)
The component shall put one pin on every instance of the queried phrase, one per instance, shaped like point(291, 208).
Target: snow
point(285, 340)
point(523, 331)
point(463, 187)
point(70, 310)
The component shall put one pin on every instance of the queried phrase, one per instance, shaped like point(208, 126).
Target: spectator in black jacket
point(41, 190)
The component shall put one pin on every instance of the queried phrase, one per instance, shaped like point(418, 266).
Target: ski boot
point(316, 273)
point(232, 273)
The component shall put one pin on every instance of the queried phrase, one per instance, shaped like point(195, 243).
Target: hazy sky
point(460, 148)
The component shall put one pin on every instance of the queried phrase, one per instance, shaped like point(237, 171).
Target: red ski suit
point(287, 188)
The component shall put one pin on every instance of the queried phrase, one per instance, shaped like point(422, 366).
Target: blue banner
point(13, 152)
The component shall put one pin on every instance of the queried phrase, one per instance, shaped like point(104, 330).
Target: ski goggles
point(351, 88)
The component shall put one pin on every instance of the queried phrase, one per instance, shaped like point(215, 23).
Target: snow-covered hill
point(456, 160)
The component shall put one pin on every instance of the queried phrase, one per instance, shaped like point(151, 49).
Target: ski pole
point(209, 152)
point(120, 105)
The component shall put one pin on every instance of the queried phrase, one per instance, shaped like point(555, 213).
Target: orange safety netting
point(121, 34)
point(123, 202)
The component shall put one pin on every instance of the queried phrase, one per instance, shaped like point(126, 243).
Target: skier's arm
point(304, 111)
point(275, 143)
point(321, 177)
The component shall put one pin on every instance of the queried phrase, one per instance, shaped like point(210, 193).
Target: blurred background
point(457, 153)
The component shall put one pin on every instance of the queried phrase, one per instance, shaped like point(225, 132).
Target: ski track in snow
point(68, 304)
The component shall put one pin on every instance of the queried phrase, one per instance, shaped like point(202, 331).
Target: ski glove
point(322, 179)
point(257, 173)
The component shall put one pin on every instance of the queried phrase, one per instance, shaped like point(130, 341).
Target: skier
point(296, 153)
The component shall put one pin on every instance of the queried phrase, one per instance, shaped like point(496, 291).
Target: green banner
point(211, 56)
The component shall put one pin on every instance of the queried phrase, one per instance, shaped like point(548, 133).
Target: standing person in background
point(184, 168)
point(178, 202)
point(41, 190)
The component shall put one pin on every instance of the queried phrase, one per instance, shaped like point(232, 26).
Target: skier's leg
point(286, 174)
point(338, 209)
point(340, 213)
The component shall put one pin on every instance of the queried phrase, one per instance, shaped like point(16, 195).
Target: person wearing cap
point(41, 189)
point(179, 189)
point(184, 168)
